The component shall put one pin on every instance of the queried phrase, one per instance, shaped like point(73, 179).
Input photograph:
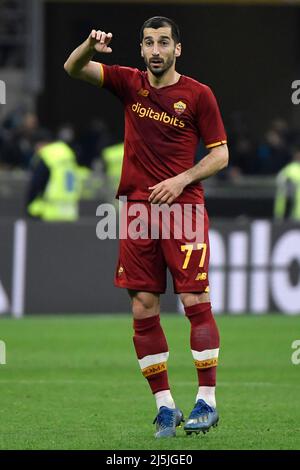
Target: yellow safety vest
point(292, 173)
point(60, 199)
point(113, 157)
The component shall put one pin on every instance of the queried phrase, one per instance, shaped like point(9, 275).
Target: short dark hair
point(159, 22)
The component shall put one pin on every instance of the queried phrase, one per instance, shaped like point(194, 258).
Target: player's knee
point(144, 305)
point(193, 298)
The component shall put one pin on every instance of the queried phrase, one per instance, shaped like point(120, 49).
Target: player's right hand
point(99, 41)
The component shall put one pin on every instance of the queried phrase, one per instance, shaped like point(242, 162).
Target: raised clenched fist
point(99, 41)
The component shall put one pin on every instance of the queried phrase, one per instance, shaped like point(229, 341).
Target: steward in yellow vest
point(287, 200)
point(113, 160)
point(55, 188)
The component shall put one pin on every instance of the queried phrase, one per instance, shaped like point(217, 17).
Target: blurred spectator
point(243, 156)
point(273, 153)
point(19, 136)
point(54, 189)
point(66, 133)
point(92, 168)
point(281, 126)
point(113, 160)
point(243, 151)
point(287, 199)
point(92, 142)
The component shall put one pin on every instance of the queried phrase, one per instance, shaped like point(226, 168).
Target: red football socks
point(152, 351)
point(205, 342)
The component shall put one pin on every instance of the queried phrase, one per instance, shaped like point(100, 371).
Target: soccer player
point(166, 114)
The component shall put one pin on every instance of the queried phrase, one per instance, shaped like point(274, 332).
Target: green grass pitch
point(74, 383)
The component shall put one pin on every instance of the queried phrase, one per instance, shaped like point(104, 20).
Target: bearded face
point(159, 50)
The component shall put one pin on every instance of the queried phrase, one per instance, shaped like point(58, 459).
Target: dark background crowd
point(248, 54)
point(21, 133)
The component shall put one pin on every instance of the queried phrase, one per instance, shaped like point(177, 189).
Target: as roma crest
point(179, 107)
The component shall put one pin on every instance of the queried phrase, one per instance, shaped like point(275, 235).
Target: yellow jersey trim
point(101, 75)
point(221, 142)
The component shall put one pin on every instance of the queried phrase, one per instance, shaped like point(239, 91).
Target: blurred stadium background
point(249, 53)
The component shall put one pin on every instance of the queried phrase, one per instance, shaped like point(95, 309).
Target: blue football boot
point(202, 418)
point(166, 421)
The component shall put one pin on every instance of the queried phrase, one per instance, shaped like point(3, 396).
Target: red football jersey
point(162, 129)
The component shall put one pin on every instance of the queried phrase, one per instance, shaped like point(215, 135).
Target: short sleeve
point(210, 122)
point(116, 79)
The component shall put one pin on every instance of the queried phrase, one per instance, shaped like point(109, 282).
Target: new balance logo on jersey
point(151, 114)
point(201, 277)
point(143, 92)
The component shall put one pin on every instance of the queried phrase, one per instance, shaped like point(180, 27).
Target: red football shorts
point(153, 239)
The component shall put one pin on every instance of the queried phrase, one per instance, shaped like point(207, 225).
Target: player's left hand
point(166, 191)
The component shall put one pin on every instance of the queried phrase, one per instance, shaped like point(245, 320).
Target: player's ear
point(178, 50)
point(142, 53)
